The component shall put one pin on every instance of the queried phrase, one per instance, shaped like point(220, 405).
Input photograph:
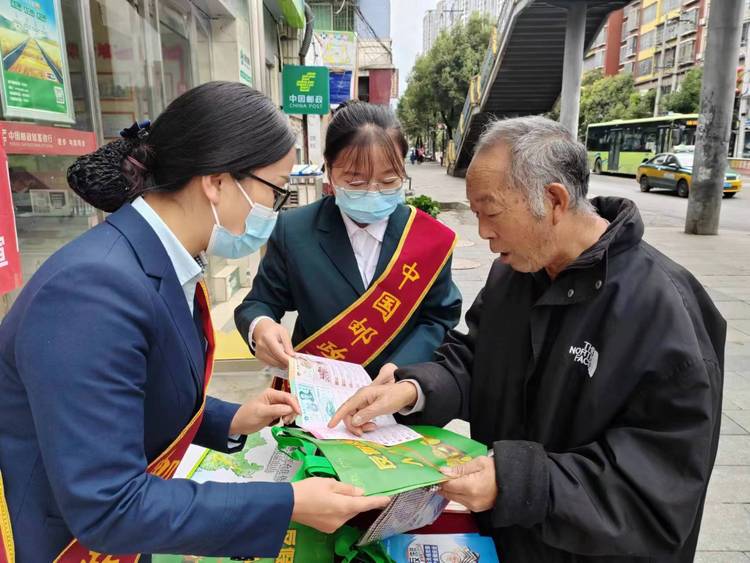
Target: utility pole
point(715, 121)
point(570, 97)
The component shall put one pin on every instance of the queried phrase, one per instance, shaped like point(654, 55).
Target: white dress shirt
point(188, 269)
point(366, 243)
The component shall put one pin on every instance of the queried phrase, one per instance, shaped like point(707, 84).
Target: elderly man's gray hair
point(541, 152)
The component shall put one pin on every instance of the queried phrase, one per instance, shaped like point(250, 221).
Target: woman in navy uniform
point(105, 355)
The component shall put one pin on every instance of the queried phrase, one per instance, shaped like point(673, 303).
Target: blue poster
point(341, 86)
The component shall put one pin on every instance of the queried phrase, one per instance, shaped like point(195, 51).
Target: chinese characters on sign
point(305, 89)
point(25, 138)
point(246, 68)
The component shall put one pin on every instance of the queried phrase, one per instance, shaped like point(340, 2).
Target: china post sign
point(305, 89)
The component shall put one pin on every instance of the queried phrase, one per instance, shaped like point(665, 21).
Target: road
point(665, 209)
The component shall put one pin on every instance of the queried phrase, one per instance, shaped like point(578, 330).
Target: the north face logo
point(586, 355)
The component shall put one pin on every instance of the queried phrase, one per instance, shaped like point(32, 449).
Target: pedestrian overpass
point(522, 72)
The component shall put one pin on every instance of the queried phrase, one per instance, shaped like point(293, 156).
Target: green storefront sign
point(305, 89)
point(34, 73)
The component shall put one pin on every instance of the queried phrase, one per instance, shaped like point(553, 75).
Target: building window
point(343, 20)
point(632, 46)
point(633, 14)
point(323, 14)
point(595, 60)
point(648, 39)
point(669, 55)
point(601, 38)
point(649, 14)
point(689, 21)
point(669, 5)
point(332, 16)
point(627, 68)
point(645, 67)
point(672, 28)
point(686, 53)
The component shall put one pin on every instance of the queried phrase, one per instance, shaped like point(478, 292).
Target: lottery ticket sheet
point(322, 386)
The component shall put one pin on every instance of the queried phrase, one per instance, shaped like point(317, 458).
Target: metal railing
point(482, 81)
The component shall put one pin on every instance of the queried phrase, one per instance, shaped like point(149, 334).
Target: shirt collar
point(187, 268)
point(375, 230)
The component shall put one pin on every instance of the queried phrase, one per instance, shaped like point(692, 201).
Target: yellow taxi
point(674, 171)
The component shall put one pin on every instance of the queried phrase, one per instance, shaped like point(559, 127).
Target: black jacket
point(600, 393)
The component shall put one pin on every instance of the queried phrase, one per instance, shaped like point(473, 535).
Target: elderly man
point(593, 368)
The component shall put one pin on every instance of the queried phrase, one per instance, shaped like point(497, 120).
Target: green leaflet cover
point(386, 470)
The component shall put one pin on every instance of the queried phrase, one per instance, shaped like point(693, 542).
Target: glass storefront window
point(175, 49)
point(122, 65)
point(48, 214)
point(203, 50)
point(141, 55)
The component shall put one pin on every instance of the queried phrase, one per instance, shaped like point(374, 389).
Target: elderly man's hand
point(472, 484)
point(386, 375)
point(372, 401)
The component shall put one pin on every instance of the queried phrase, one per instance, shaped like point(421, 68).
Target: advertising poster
point(34, 73)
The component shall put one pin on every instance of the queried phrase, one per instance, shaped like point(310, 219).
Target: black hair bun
point(107, 178)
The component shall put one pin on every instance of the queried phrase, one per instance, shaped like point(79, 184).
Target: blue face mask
point(367, 208)
point(258, 227)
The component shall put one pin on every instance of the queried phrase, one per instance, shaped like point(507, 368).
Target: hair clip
point(137, 130)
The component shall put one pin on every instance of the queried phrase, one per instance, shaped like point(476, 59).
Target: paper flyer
point(322, 386)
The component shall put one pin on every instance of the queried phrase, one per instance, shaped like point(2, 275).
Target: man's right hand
point(273, 346)
point(326, 504)
point(373, 401)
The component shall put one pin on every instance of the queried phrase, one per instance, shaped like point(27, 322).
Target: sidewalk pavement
point(722, 264)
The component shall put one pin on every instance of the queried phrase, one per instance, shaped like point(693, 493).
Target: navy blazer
point(310, 267)
point(101, 367)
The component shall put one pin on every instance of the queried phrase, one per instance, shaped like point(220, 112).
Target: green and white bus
point(620, 146)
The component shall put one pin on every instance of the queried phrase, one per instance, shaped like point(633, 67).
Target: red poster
point(10, 257)
point(26, 138)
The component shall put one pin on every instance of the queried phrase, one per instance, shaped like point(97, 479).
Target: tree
point(687, 99)
point(439, 82)
point(641, 105)
point(604, 98)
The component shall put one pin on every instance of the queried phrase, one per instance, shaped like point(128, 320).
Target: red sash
point(163, 466)
point(363, 330)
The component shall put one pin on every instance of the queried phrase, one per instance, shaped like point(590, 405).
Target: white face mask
point(259, 225)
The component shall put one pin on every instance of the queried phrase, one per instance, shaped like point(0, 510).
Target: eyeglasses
point(280, 194)
point(356, 190)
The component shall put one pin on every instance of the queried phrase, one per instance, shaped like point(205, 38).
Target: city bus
point(621, 146)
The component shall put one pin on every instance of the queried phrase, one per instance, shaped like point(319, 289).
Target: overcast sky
point(406, 32)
